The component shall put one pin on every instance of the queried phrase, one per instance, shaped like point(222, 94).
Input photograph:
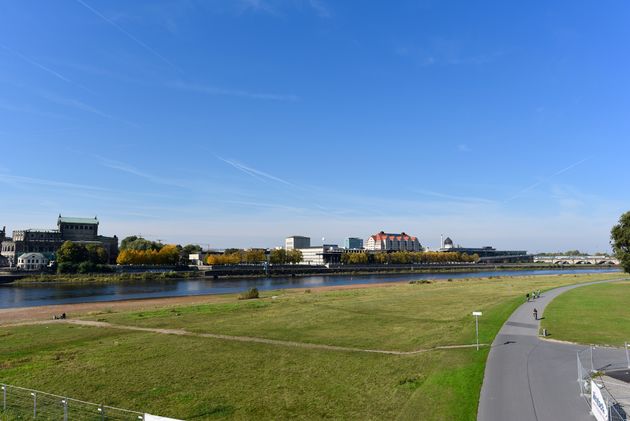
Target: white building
point(393, 242)
point(297, 242)
point(32, 261)
point(197, 259)
point(321, 255)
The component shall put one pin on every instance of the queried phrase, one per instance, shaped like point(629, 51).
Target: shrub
point(86, 267)
point(249, 294)
point(66, 267)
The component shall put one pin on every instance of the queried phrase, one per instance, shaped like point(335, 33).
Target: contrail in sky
point(36, 64)
point(533, 186)
point(128, 34)
point(254, 172)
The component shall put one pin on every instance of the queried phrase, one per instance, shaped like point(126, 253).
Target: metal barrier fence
point(19, 403)
point(587, 374)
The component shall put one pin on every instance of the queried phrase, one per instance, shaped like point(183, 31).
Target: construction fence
point(607, 398)
point(18, 403)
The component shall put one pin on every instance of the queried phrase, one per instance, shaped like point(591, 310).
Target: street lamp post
point(477, 314)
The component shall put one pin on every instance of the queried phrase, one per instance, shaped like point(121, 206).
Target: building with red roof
point(384, 241)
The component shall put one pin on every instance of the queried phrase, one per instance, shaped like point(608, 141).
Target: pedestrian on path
point(527, 297)
point(535, 314)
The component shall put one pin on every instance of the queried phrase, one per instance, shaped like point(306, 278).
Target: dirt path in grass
point(182, 332)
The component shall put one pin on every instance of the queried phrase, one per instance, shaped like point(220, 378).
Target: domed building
point(487, 253)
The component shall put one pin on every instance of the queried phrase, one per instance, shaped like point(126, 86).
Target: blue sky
point(237, 123)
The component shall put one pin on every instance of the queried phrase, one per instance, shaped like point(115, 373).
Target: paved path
point(528, 379)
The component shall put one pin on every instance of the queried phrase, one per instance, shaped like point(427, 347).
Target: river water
point(47, 294)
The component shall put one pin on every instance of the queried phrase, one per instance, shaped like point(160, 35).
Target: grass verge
point(593, 314)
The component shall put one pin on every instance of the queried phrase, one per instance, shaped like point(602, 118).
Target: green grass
point(205, 378)
point(593, 314)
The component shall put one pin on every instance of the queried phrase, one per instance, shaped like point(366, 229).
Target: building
point(488, 253)
point(297, 242)
point(47, 241)
point(32, 261)
point(353, 243)
point(321, 255)
point(198, 259)
point(392, 242)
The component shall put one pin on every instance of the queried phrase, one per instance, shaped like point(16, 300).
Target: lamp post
point(477, 314)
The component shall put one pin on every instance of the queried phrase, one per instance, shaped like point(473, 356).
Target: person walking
point(535, 314)
point(527, 297)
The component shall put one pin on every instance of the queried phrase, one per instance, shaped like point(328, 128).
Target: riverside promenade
point(531, 379)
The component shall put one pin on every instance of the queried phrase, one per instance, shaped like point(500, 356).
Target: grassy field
point(594, 314)
point(204, 378)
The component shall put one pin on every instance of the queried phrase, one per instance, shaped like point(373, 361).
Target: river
point(46, 294)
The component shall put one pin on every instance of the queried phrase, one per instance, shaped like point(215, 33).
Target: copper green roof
point(71, 220)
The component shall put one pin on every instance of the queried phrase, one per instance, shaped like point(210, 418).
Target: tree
point(620, 241)
point(278, 256)
point(168, 255)
point(294, 256)
point(124, 244)
point(254, 256)
point(138, 243)
point(70, 252)
point(97, 254)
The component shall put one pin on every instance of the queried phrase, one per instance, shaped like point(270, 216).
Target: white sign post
point(477, 314)
point(599, 408)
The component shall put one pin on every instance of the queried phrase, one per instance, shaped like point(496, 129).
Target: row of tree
point(407, 257)
point(135, 250)
point(252, 256)
point(168, 254)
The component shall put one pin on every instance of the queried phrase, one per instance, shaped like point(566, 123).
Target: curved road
point(528, 379)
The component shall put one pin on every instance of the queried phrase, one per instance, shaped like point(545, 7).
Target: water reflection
point(17, 296)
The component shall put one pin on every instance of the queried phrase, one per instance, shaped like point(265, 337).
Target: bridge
point(577, 260)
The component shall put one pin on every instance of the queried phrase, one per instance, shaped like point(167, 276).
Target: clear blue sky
point(237, 123)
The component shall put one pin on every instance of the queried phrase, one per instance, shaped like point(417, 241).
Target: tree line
point(135, 250)
point(407, 257)
point(253, 256)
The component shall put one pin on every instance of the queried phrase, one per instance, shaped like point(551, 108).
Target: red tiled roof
point(382, 236)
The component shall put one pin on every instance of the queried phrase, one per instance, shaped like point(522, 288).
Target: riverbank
point(45, 312)
point(237, 273)
point(103, 278)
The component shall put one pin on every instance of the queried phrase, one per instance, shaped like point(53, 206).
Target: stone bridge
point(577, 260)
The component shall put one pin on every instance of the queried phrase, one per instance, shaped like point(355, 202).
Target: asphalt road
point(529, 379)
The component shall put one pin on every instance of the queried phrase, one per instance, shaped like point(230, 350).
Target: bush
point(86, 267)
point(250, 294)
point(66, 267)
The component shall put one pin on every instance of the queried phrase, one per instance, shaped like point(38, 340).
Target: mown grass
point(593, 314)
point(399, 317)
point(204, 378)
